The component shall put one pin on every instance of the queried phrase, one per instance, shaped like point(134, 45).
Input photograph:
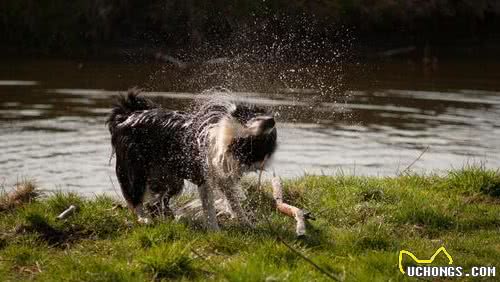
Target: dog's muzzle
point(267, 124)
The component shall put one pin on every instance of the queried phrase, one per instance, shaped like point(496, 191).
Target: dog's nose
point(268, 122)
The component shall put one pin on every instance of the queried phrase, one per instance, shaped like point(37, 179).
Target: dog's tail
point(126, 105)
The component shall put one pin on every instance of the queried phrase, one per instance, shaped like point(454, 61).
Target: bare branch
point(418, 158)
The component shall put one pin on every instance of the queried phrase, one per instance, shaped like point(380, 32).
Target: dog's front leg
point(208, 204)
point(235, 204)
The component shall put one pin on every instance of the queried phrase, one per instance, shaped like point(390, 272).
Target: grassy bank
point(361, 225)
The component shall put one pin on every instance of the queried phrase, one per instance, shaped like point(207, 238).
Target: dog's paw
point(145, 220)
point(213, 226)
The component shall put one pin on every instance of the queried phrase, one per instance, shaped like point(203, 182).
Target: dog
point(212, 146)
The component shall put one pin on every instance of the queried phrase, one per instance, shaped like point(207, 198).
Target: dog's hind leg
point(139, 190)
point(208, 204)
point(164, 189)
point(133, 184)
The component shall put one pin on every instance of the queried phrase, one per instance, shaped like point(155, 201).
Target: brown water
point(376, 122)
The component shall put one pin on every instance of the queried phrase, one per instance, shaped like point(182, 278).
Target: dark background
point(201, 29)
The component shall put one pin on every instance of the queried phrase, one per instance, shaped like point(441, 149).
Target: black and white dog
point(156, 149)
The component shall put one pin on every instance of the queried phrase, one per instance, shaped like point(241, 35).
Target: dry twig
point(287, 209)
point(69, 211)
point(414, 161)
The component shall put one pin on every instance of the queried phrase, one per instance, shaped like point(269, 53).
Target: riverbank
point(361, 225)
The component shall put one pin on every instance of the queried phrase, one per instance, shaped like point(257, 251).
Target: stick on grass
point(287, 209)
point(278, 196)
point(66, 213)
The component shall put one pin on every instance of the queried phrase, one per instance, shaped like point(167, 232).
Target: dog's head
point(256, 122)
point(247, 135)
point(259, 135)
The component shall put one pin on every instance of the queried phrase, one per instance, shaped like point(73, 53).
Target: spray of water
point(298, 68)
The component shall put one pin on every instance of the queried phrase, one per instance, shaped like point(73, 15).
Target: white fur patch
point(134, 119)
point(142, 218)
point(221, 136)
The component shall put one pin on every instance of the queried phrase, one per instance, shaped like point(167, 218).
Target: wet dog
point(212, 146)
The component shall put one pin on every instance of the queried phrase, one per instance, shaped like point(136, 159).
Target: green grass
point(361, 225)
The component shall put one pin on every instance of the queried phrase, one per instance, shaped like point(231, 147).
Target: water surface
point(52, 115)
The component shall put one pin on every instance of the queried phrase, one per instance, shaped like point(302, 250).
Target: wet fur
point(156, 149)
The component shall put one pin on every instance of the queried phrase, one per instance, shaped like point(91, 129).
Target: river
point(385, 115)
